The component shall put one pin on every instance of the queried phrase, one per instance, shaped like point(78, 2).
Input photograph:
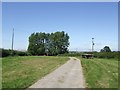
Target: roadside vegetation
point(108, 55)
point(100, 72)
point(9, 52)
point(23, 71)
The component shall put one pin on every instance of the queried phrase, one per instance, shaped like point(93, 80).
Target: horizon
point(82, 21)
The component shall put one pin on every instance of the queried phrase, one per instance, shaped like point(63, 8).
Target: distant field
point(21, 72)
point(100, 73)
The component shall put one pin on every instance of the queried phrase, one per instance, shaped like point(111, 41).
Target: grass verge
point(21, 72)
point(100, 73)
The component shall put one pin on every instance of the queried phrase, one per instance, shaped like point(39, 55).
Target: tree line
point(42, 43)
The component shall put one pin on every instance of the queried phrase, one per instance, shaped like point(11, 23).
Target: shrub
point(5, 52)
point(106, 55)
point(19, 53)
point(0, 52)
point(70, 54)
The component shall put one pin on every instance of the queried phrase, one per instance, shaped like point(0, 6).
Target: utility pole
point(12, 42)
point(93, 44)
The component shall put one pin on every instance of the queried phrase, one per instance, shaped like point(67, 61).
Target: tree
point(48, 43)
point(59, 43)
point(106, 49)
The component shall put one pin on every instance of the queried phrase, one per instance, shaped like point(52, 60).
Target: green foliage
point(71, 54)
point(106, 49)
point(96, 54)
point(19, 53)
point(7, 52)
point(106, 55)
point(48, 43)
point(0, 52)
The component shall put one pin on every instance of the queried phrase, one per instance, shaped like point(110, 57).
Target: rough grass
point(21, 72)
point(100, 73)
point(0, 73)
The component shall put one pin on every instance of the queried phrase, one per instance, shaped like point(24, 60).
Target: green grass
point(21, 72)
point(0, 73)
point(100, 73)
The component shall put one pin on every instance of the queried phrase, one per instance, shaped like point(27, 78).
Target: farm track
point(68, 75)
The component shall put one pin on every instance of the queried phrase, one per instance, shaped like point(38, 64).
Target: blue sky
point(60, 0)
point(81, 21)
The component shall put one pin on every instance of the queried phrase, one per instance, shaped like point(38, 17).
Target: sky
point(60, 0)
point(81, 20)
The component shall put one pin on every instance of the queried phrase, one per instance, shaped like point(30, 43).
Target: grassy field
point(100, 73)
point(21, 72)
point(0, 73)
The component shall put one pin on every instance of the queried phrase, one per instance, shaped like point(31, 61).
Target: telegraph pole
point(93, 44)
point(12, 42)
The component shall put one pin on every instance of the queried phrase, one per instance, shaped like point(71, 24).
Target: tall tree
point(48, 43)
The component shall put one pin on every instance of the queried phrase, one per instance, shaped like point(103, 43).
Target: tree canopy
point(48, 43)
point(106, 49)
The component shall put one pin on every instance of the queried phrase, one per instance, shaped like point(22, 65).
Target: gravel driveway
point(68, 75)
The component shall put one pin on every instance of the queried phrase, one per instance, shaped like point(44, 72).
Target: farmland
point(21, 72)
point(100, 73)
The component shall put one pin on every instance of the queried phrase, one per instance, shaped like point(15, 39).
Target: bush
point(0, 52)
point(70, 54)
point(106, 55)
point(28, 54)
point(5, 52)
point(96, 54)
point(19, 53)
